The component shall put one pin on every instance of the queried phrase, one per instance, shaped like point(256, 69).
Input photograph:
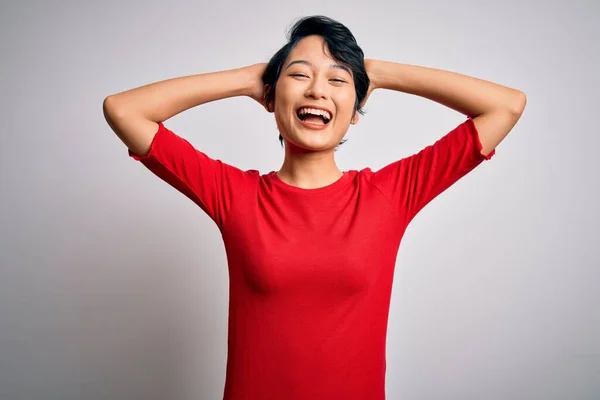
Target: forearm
point(162, 100)
point(468, 95)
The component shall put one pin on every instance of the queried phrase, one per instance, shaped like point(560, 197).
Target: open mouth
point(313, 116)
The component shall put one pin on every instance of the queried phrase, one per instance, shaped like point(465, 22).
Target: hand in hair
point(256, 89)
point(372, 80)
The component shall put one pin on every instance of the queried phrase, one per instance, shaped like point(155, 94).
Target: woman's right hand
point(256, 90)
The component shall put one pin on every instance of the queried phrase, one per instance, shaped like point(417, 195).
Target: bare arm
point(134, 114)
point(495, 109)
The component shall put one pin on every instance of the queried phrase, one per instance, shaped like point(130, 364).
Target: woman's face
point(314, 97)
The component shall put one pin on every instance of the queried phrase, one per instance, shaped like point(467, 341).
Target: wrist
point(245, 80)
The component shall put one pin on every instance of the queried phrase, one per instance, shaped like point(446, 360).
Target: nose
point(317, 89)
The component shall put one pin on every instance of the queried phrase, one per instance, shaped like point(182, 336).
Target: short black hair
point(342, 46)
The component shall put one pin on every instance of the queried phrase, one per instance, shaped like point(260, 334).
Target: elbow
point(518, 104)
point(109, 106)
point(112, 108)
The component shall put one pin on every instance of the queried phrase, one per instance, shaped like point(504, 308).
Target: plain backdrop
point(113, 285)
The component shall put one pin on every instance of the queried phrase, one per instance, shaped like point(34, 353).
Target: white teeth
point(314, 111)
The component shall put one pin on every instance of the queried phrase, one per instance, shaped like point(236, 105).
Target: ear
point(355, 118)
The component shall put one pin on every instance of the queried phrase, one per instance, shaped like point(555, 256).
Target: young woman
point(311, 249)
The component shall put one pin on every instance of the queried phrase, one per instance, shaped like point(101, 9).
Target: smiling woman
point(313, 79)
point(325, 59)
point(328, 86)
point(311, 250)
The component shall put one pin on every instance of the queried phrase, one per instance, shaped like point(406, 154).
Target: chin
point(311, 144)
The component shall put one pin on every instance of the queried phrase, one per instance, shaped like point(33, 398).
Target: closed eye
point(304, 76)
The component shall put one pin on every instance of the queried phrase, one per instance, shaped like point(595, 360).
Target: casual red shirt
point(311, 270)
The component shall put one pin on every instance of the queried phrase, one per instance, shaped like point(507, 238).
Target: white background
point(114, 286)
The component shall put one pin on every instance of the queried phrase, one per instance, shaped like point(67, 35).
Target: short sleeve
point(412, 182)
point(208, 182)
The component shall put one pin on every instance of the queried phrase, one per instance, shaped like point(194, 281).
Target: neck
point(310, 170)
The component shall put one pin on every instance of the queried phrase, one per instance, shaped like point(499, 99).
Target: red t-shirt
point(311, 270)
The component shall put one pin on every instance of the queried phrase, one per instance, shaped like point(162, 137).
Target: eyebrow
point(338, 66)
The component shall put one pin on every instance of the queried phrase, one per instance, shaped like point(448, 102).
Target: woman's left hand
point(372, 85)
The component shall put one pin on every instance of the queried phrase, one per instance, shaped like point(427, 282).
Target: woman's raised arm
point(134, 114)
